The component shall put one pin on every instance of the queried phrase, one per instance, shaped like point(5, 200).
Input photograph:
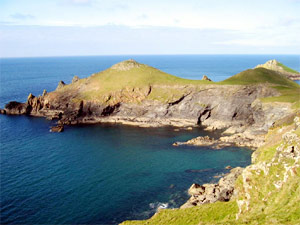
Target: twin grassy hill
point(134, 82)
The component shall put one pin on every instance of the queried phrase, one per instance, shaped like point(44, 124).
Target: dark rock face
point(17, 108)
point(213, 105)
point(209, 193)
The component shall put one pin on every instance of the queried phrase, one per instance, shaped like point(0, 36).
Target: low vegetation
point(289, 90)
point(112, 81)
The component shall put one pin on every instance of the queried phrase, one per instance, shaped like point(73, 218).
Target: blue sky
point(109, 27)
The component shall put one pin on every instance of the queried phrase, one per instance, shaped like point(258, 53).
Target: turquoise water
point(103, 174)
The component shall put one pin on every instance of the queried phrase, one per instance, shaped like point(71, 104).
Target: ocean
point(104, 174)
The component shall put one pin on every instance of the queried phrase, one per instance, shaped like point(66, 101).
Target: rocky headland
point(244, 106)
point(136, 94)
point(248, 107)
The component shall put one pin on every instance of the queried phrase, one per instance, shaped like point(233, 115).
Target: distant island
point(257, 108)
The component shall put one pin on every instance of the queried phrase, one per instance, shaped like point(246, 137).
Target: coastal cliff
point(253, 108)
point(245, 105)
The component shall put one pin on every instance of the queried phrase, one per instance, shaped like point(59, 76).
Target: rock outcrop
point(206, 78)
point(75, 79)
point(126, 65)
point(210, 193)
point(278, 67)
point(60, 85)
point(237, 139)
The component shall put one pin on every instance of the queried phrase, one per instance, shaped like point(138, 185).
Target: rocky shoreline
point(238, 109)
point(239, 140)
point(210, 193)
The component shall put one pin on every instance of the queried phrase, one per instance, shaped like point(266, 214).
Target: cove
point(101, 174)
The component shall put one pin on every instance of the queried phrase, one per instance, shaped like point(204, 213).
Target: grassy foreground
point(268, 190)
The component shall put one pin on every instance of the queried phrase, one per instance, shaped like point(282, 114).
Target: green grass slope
point(130, 81)
point(290, 90)
point(287, 69)
point(127, 76)
point(259, 75)
point(268, 190)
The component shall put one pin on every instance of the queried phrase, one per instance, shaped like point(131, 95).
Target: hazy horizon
point(131, 55)
point(52, 28)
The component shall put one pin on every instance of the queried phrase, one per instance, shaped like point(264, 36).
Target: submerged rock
point(58, 128)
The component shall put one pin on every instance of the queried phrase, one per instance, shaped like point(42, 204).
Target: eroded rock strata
point(149, 97)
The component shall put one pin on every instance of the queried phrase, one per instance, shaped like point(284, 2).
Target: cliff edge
point(131, 93)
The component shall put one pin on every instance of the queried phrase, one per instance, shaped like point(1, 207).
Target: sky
point(32, 28)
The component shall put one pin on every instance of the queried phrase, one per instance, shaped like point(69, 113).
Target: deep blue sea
point(103, 174)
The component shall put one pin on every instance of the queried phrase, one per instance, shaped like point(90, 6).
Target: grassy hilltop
point(290, 91)
point(127, 76)
point(132, 79)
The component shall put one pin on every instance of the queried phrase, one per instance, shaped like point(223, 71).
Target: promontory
point(257, 108)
